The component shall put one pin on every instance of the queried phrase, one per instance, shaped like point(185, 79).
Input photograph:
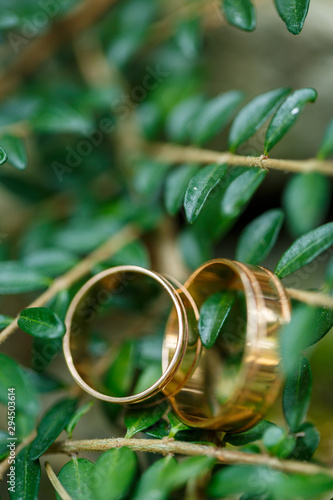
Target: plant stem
point(106, 250)
point(167, 446)
point(56, 483)
point(171, 153)
point(310, 298)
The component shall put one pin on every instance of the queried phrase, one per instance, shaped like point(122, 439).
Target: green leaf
point(51, 425)
point(60, 118)
point(250, 436)
point(139, 420)
point(43, 383)
point(252, 116)
point(213, 314)
point(278, 443)
point(324, 323)
point(134, 253)
point(240, 13)
point(3, 156)
point(180, 121)
point(293, 13)
point(5, 321)
point(13, 376)
point(176, 425)
point(188, 37)
point(286, 116)
point(297, 395)
point(76, 477)
point(199, 188)
point(326, 147)
point(16, 151)
point(175, 186)
point(306, 201)
point(296, 335)
point(195, 250)
point(305, 249)
point(124, 365)
point(41, 322)
point(184, 470)
point(149, 178)
point(259, 237)
point(16, 278)
point(50, 261)
point(214, 116)
point(241, 190)
point(77, 416)
point(114, 474)
point(307, 442)
point(4, 450)
point(27, 477)
point(154, 482)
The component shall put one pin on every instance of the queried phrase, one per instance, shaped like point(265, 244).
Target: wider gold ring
point(256, 385)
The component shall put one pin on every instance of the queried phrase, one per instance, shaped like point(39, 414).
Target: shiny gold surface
point(252, 390)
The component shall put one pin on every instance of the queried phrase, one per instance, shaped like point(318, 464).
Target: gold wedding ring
point(228, 387)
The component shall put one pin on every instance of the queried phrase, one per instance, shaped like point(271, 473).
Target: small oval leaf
point(76, 477)
point(213, 314)
point(199, 188)
point(240, 13)
point(175, 186)
point(306, 201)
point(51, 425)
point(278, 443)
point(305, 249)
point(241, 190)
point(293, 13)
point(214, 116)
point(3, 156)
point(259, 237)
point(139, 420)
point(250, 436)
point(326, 147)
point(16, 151)
point(41, 322)
point(27, 477)
point(180, 120)
point(253, 115)
point(80, 412)
point(16, 278)
point(297, 394)
point(307, 442)
point(286, 116)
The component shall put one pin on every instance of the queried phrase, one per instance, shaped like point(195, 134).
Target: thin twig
point(171, 153)
point(56, 483)
point(311, 298)
point(40, 49)
point(167, 446)
point(106, 250)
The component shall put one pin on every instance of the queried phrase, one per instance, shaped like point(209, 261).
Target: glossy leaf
point(250, 436)
point(199, 188)
point(296, 335)
point(16, 151)
point(80, 412)
point(114, 474)
point(16, 278)
point(13, 376)
point(278, 443)
point(139, 420)
point(50, 261)
point(293, 13)
point(307, 442)
point(180, 121)
point(253, 115)
point(214, 116)
point(153, 483)
point(286, 116)
point(41, 322)
point(176, 425)
point(3, 156)
point(4, 450)
point(326, 147)
point(76, 477)
point(324, 323)
point(259, 237)
point(5, 321)
point(175, 186)
point(306, 201)
point(124, 364)
point(213, 314)
point(51, 425)
point(305, 249)
point(195, 250)
point(241, 190)
point(297, 394)
point(240, 13)
point(27, 477)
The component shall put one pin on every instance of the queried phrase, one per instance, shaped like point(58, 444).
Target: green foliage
point(254, 115)
point(75, 476)
point(278, 443)
point(305, 249)
point(15, 150)
point(41, 322)
point(16, 278)
point(139, 420)
point(286, 116)
point(250, 436)
point(296, 395)
point(27, 477)
point(213, 314)
point(240, 14)
point(326, 147)
point(176, 185)
point(293, 13)
point(79, 413)
point(259, 237)
point(240, 191)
